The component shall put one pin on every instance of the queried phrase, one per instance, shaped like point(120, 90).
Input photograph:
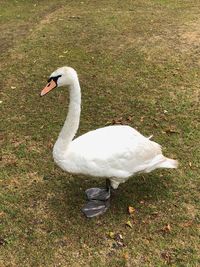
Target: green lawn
point(138, 63)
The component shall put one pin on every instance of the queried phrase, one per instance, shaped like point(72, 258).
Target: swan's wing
point(111, 151)
point(105, 142)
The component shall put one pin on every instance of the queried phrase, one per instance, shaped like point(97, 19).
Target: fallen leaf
point(154, 213)
point(128, 223)
point(2, 241)
point(118, 237)
point(190, 164)
point(166, 256)
point(186, 224)
point(142, 119)
point(111, 235)
point(74, 17)
point(166, 228)
point(120, 244)
point(13, 87)
point(50, 144)
point(129, 118)
point(117, 121)
point(171, 130)
point(131, 210)
point(114, 121)
point(126, 256)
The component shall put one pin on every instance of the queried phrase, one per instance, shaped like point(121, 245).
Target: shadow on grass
point(69, 196)
point(54, 206)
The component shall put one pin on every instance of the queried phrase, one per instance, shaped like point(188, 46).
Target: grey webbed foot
point(97, 194)
point(99, 201)
point(95, 207)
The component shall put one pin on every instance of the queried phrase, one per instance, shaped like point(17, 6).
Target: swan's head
point(60, 77)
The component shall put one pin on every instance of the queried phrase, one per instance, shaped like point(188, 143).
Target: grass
point(138, 62)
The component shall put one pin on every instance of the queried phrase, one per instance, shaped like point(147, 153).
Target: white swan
point(115, 152)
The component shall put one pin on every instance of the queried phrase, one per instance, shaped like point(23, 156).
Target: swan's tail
point(161, 161)
point(168, 163)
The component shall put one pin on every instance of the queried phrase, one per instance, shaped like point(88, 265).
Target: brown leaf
point(2, 213)
point(117, 121)
point(166, 256)
point(129, 118)
point(118, 241)
point(186, 224)
point(154, 213)
point(142, 119)
point(120, 244)
point(115, 236)
point(166, 228)
point(118, 237)
point(171, 130)
point(131, 210)
point(2, 241)
point(74, 17)
point(126, 256)
point(50, 144)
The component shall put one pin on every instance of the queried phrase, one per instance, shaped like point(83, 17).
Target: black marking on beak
point(55, 78)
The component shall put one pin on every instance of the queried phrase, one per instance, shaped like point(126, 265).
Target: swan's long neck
point(71, 124)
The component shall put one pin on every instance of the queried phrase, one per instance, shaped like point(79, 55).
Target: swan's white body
point(115, 152)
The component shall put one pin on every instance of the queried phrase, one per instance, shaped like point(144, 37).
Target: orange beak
point(51, 85)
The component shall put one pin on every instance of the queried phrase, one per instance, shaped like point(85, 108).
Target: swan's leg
point(99, 201)
point(99, 193)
